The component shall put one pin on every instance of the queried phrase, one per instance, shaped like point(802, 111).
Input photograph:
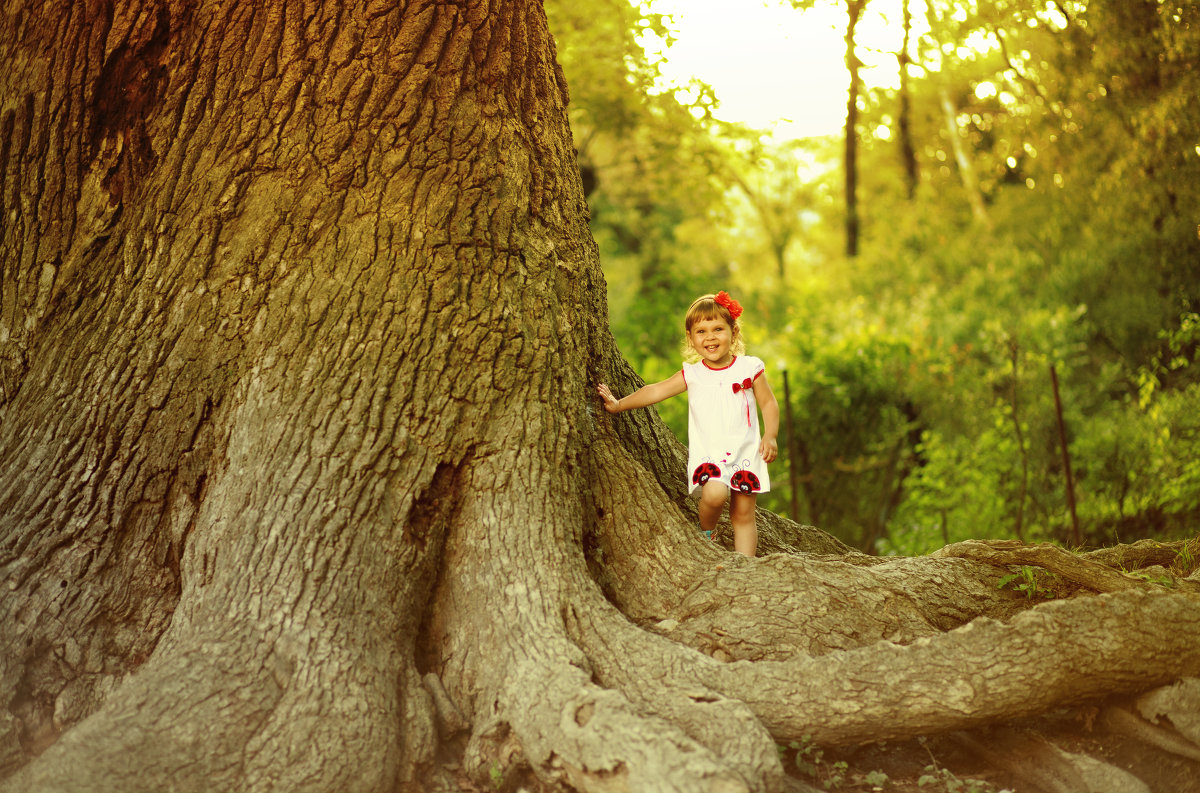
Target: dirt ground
point(1014, 757)
point(1018, 757)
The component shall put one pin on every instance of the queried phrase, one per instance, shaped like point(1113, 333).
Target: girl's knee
point(742, 508)
point(714, 493)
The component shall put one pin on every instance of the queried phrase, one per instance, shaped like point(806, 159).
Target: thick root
point(428, 720)
point(575, 708)
point(1057, 653)
point(1181, 555)
point(641, 664)
point(1177, 705)
point(662, 573)
point(783, 607)
point(539, 703)
point(1122, 721)
point(1082, 571)
point(1043, 766)
point(594, 740)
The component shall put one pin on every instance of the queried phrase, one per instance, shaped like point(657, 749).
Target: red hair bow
point(732, 306)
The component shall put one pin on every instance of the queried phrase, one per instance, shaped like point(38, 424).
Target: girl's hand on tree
point(611, 403)
point(769, 449)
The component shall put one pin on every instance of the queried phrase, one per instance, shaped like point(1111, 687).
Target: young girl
point(724, 389)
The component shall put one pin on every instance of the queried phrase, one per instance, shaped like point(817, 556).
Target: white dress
point(723, 437)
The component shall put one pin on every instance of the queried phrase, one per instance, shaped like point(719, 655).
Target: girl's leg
point(712, 501)
point(741, 515)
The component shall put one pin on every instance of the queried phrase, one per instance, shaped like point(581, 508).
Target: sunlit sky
point(776, 68)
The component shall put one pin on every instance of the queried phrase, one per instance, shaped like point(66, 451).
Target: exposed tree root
point(1183, 555)
point(642, 666)
point(549, 717)
point(450, 721)
point(1082, 571)
point(1120, 720)
point(1178, 704)
point(772, 608)
point(536, 699)
point(784, 606)
point(1042, 766)
point(593, 739)
point(428, 720)
point(1056, 653)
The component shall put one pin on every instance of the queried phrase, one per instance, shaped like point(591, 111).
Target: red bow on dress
point(745, 385)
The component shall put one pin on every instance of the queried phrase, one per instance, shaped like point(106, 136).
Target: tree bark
point(908, 152)
point(302, 479)
point(854, 10)
point(966, 170)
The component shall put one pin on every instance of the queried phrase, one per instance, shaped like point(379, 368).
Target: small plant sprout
point(1030, 581)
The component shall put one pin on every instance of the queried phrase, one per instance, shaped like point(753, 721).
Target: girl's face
point(712, 340)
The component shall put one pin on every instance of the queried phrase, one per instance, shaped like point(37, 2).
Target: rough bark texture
point(302, 483)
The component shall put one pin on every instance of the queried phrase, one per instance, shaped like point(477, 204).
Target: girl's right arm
point(646, 395)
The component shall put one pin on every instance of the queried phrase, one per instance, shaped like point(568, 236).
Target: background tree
point(908, 152)
point(1086, 267)
point(854, 13)
point(302, 479)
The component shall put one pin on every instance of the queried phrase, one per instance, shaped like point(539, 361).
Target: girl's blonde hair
point(706, 308)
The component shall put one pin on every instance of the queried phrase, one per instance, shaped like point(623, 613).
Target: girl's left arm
point(769, 448)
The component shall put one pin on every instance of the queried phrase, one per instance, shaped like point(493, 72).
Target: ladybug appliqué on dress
point(745, 482)
point(704, 472)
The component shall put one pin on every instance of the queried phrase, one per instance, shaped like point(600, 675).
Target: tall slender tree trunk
point(908, 152)
point(1014, 350)
point(966, 169)
point(793, 460)
point(854, 10)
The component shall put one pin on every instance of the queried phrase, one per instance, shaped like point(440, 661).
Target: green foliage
point(936, 778)
point(919, 370)
point(876, 779)
point(647, 165)
point(1083, 264)
point(848, 396)
point(809, 760)
point(1032, 582)
point(958, 494)
point(1185, 560)
point(1150, 577)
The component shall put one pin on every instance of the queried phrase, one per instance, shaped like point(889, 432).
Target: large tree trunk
point(302, 481)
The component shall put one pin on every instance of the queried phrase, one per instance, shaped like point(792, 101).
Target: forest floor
point(1019, 757)
point(1071, 750)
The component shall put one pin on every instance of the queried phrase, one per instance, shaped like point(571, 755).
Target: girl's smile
point(712, 340)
